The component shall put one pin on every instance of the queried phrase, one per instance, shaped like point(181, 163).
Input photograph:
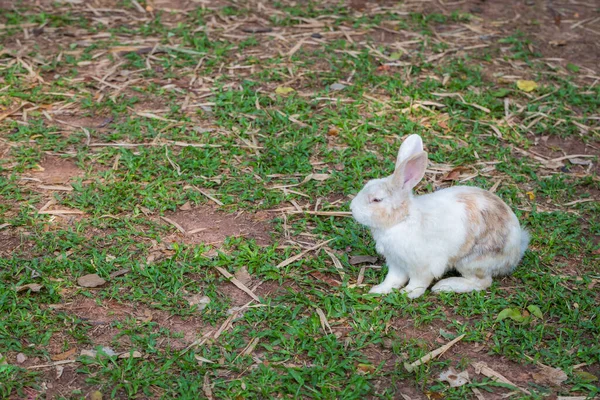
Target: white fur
point(427, 242)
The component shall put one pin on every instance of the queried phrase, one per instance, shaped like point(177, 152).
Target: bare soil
point(215, 226)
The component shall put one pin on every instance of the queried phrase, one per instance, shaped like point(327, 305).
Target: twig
point(54, 364)
point(238, 283)
point(481, 367)
point(205, 193)
point(175, 224)
point(430, 356)
point(299, 256)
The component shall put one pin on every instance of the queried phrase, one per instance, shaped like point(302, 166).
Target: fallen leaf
point(319, 177)
point(434, 395)
point(511, 313)
point(65, 355)
point(243, 276)
point(132, 354)
point(454, 174)
point(186, 206)
point(586, 376)
point(90, 281)
point(337, 86)
point(454, 378)
point(199, 300)
point(119, 272)
point(354, 260)
point(59, 371)
point(21, 358)
point(531, 195)
point(535, 311)
point(580, 161)
point(545, 374)
point(34, 287)
point(333, 131)
point(283, 90)
point(527, 86)
point(88, 353)
point(395, 55)
point(203, 360)
point(147, 317)
point(96, 395)
point(364, 369)
point(384, 67)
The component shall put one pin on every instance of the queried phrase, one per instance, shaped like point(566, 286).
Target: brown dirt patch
point(565, 30)
point(217, 226)
point(11, 242)
point(57, 170)
point(104, 314)
point(555, 147)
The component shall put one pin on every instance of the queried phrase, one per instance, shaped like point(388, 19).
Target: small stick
point(54, 364)
point(299, 256)
point(238, 283)
point(175, 224)
point(325, 213)
point(430, 356)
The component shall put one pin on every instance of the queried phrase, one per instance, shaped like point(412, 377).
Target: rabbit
point(460, 228)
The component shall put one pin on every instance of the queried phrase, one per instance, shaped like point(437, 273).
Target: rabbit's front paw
point(382, 288)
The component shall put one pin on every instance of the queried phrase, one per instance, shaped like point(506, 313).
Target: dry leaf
point(21, 358)
point(364, 369)
point(284, 90)
point(319, 177)
point(133, 354)
point(65, 355)
point(88, 353)
point(34, 287)
point(454, 378)
point(243, 276)
point(186, 206)
point(119, 272)
point(199, 300)
point(362, 260)
point(59, 371)
point(527, 86)
point(333, 131)
point(90, 281)
point(454, 174)
point(580, 161)
point(554, 376)
point(96, 395)
point(203, 360)
point(531, 195)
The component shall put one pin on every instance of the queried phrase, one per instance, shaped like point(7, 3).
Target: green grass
point(123, 191)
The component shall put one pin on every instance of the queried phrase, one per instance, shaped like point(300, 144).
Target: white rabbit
point(422, 237)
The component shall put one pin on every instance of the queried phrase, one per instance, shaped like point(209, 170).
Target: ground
point(200, 157)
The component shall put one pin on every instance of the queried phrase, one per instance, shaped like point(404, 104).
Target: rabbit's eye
point(376, 200)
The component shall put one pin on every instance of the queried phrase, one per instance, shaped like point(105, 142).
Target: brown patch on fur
point(487, 225)
point(387, 219)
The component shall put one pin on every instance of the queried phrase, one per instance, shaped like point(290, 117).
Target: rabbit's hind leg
point(462, 284)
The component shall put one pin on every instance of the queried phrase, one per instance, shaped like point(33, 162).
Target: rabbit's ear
point(410, 172)
point(411, 146)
